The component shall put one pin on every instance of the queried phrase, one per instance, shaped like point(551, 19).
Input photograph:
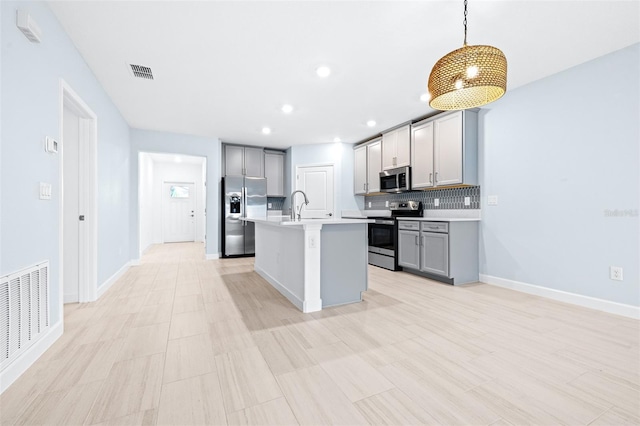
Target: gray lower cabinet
point(435, 253)
point(408, 249)
point(444, 251)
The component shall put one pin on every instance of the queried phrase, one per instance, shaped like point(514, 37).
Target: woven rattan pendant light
point(468, 77)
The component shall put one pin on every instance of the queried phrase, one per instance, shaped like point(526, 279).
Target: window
point(179, 191)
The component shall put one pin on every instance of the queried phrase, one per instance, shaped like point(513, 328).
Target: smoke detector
point(141, 71)
point(28, 26)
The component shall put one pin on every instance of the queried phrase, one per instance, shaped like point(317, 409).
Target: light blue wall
point(30, 78)
point(338, 154)
point(163, 142)
point(559, 152)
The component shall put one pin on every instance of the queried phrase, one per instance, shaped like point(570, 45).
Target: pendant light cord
point(465, 22)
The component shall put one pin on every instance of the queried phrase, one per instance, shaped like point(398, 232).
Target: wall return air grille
point(141, 71)
point(24, 310)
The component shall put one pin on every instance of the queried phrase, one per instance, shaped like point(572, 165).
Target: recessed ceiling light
point(323, 71)
point(266, 130)
point(337, 140)
point(371, 123)
point(425, 97)
point(286, 108)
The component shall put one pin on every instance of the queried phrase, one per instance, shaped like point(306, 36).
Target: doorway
point(78, 198)
point(317, 183)
point(178, 212)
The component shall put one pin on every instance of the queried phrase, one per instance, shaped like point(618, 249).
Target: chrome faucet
point(293, 204)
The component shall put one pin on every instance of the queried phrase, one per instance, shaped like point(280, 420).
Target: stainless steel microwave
point(396, 180)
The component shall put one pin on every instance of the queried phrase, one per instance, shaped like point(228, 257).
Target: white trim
point(111, 280)
point(212, 256)
point(283, 290)
point(563, 296)
point(26, 360)
point(70, 298)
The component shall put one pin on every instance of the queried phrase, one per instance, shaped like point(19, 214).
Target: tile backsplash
point(449, 198)
point(276, 203)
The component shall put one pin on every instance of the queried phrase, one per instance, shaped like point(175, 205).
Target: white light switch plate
point(467, 201)
point(45, 191)
point(436, 202)
point(492, 200)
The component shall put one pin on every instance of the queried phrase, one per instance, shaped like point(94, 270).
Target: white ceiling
point(224, 68)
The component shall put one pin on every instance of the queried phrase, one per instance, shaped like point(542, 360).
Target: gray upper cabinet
point(367, 167)
point(396, 148)
point(360, 170)
point(444, 150)
point(241, 160)
point(274, 172)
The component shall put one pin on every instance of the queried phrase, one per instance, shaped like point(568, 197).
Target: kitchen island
point(314, 263)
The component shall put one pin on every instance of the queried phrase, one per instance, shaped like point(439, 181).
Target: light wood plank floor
point(181, 340)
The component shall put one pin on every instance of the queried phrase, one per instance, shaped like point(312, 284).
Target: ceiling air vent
point(141, 71)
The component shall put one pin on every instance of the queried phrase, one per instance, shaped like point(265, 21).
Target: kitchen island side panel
point(280, 259)
point(343, 274)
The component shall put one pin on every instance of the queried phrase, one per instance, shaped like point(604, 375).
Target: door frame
point(88, 200)
point(195, 204)
point(335, 181)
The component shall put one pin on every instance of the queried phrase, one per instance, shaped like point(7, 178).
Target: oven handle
point(384, 222)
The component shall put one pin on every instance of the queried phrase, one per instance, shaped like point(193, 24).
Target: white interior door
point(178, 212)
point(317, 183)
point(71, 205)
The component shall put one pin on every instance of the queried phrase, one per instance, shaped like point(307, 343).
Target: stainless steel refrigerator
point(242, 197)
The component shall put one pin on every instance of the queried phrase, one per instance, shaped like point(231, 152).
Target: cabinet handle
point(416, 240)
point(436, 177)
point(364, 186)
point(430, 177)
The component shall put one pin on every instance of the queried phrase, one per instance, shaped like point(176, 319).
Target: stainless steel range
point(383, 234)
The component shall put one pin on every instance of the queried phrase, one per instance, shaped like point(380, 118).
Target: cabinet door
point(233, 160)
point(254, 162)
point(274, 172)
point(422, 156)
point(448, 149)
point(435, 253)
point(403, 146)
point(374, 166)
point(409, 249)
point(360, 170)
point(389, 150)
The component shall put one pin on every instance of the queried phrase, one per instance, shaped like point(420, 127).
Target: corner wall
point(562, 155)
point(31, 108)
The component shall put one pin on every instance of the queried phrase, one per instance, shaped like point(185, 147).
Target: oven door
point(382, 237)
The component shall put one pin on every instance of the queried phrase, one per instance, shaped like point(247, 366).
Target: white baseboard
point(212, 256)
point(282, 289)
point(70, 298)
point(26, 360)
point(109, 282)
point(564, 296)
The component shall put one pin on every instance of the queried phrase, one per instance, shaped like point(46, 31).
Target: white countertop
point(286, 221)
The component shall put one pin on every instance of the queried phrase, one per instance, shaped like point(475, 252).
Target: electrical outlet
point(369, 204)
point(436, 202)
point(467, 201)
point(386, 203)
point(312, 241)
point(615, 273)
point(492, 200)
point(269, 205)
